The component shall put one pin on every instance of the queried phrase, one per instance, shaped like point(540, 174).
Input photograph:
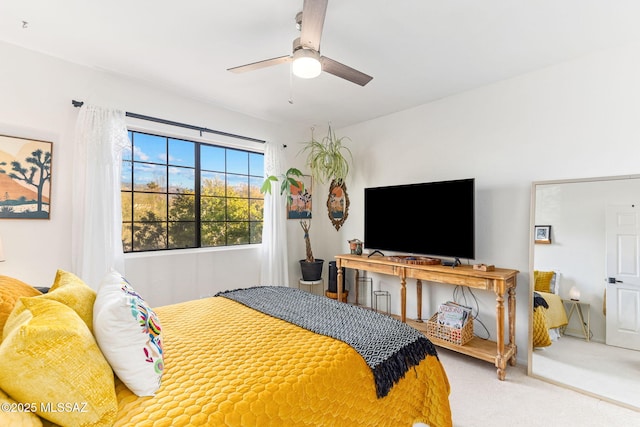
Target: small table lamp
point(574, 294)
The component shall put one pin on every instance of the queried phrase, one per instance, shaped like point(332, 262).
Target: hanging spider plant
point(327, 158)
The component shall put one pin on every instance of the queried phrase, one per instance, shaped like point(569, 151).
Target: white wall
point(35, 102)
point(573, 120)
point(577, 119)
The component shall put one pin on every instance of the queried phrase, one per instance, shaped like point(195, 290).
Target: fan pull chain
point(291, 84)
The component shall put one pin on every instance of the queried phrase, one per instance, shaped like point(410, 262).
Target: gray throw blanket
point(389, 347)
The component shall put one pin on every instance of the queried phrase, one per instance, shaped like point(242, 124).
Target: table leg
point(340, 279)
point(501, 363)
point(583, 324)
point(357, 280)
point(573, 307)
point(419, 297)
point(588, 323)
point(512, 325)
point(403, 298)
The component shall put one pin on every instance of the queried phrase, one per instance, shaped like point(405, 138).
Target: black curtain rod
point(178, 124)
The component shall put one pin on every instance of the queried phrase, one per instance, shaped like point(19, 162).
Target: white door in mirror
point(623, 271)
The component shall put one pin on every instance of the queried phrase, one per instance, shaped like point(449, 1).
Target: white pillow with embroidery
point(129, 335)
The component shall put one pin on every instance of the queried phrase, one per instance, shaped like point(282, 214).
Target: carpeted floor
point(601, 369)
point(479, 399)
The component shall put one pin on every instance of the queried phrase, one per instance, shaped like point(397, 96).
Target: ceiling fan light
point(306, 63)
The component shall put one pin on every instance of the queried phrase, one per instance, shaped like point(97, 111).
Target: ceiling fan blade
point(313, 13)
point(344, 71)
point(260, 64)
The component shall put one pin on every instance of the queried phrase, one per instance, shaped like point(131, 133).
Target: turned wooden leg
point(502, 368)
point(403, 299)
point(500, 361)
point(340, 279)
point(512, 325)
point(419, 299)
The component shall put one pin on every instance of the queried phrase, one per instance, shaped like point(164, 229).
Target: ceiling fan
point(307, 62)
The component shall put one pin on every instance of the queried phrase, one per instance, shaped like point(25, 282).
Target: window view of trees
point(187, 194)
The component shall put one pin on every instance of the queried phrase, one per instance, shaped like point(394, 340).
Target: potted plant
point(327, 158)
point(287, 181)
point(310, 267)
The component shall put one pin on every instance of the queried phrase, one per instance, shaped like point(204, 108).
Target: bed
point(549, 314)
point(228, 360)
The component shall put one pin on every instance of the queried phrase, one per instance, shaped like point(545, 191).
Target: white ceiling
point(416, 50)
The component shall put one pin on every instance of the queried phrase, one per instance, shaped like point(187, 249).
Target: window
point(188, 194)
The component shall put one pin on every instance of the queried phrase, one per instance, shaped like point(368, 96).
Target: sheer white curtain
point(96, 246)
point(275, 271)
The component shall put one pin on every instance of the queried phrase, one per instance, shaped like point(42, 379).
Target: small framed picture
point(542, 234)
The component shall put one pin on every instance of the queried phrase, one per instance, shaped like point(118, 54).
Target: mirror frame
point(532, 224)
point(337, 221)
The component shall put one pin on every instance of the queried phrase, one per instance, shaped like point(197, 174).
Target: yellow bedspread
point(229, 365)
point(556, 314)
point(540, 329)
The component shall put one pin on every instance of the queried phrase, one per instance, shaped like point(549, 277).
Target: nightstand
point(578, 307)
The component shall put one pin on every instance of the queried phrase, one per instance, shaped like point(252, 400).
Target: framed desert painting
point(25, 178)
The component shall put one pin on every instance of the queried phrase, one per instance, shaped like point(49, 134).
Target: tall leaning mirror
point(585, 286)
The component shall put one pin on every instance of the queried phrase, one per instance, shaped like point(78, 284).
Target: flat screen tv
point(430, 219)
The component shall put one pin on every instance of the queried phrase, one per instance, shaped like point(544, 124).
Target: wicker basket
point(449, 334)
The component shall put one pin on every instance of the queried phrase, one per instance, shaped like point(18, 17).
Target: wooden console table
point(500, 281)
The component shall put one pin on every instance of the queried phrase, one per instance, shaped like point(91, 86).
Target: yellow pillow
point(542, 280)
point(70, 290)
point(10, 292)
point(50, 358)
point(14, 414)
